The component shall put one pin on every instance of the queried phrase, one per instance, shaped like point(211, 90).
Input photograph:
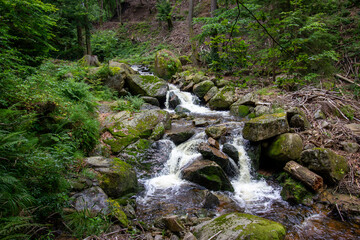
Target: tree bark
point(101, 5)
point(213, 7)
point(303, 174)
point(194, 53)
point(215, 47)
point(80, 38)
point(87, 30)
point(118, 9)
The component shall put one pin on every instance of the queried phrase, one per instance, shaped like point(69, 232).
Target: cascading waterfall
point(249, 193)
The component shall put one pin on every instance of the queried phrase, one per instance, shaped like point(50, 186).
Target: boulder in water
point(202, 88)
point(235, 226)
point(223, 99)
point(166, 64)
point(284, 148)
point(217, 156)
point(231, 151)
point(180, 109)
point(151, 100)
point(207, 174)
point(326, 163)
point(216, 131)
point(213, 143)
point(174, 100)
point(179, 137)
point(211, 93)
point(151, 86)
point(265, 127)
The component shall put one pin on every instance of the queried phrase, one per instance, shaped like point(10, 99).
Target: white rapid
point(251, 194)
point(190, 102)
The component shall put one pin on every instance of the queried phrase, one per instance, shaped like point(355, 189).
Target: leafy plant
point(129, 103)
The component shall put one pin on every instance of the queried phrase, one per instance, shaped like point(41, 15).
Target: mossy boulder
point(135, 153)
point(126, 129)
point(118, 212)
point(284, 148)
point(151, 86)
point(202, 88)
point(196, 77)
point(216, 131)
point(207, 174)
point(166, 64)
point(93, 199)
point(118, 180)
point(265, 127)
point(240, 110)
point(294, 191)
point(223, 99)
point(211, 93)
point(326, 163)
point(235, 226)
point(181, 136)
point(297, 119)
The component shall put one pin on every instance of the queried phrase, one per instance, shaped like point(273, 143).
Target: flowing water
point(166, 193)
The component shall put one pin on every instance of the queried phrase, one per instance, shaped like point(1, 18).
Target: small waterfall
point(251, 194)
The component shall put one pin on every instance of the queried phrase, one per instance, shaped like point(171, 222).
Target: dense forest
point(49, 93)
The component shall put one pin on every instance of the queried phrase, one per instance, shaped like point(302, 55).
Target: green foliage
point(164, 12)
point(129, 103)
point(85, 223)
point(105, 44)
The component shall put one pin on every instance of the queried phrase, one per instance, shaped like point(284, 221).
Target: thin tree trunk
point(213, 7)
point(80, 38)
point(194, 53)
point(118, 9)
point(215, 47)
point(101, 5)
point(87, 30)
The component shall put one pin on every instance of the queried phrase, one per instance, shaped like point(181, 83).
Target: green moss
point(158, 132)
point(116, 211)
point(243, 110)
point(115, 70)
point(294, 191)
point(267, 117)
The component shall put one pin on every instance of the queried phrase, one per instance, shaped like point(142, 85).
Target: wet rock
point(166, 64)
point(117, 180)
point(93, 199)
point(234, 226)
point(174, 100)
point(181, 136)
point(126, 129)
point(188, 87)
point(326, 163)
point(213, 143)
point(217, 156)
point(158, 132)
point(319, 115)
point(173, 224)
point(284, 148)
point(180, 109)
point(223, 99)
point(253, 150)
point(294, 191)
point(231, 151)
point(150, 86)
point(202, 88)
point(151, 100)
point(200, 122)
point(135, 153)
point(216, 131)
point(211, 201)
point(158, 154)
point(207, 174)
point(261, 110)
point(265, 127)
point(350, 147)
point(211, 93)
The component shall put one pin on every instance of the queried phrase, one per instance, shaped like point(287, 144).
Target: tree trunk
point(80, 38)
point(169, 23)
point(213, 7)
point(101, 5)
point(303, 174)
point(214, 47)
point(194, 53)
point(118, 9)
point(87, 30)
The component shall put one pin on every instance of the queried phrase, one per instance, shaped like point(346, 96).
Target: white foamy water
point(250, 193)
point(188, 101)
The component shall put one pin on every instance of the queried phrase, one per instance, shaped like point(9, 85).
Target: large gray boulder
point(151, 86)
point(326, 163)
point(284, 148)
point(211, 93)
point(223, 99)
point(266, 126)
point(216, 131)
point(93, 199)
point(235, 226)
point(202, 88)
point(126, 128)
point(207, 174)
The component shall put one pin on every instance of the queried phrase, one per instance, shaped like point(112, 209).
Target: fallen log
point(346, 79)
point(304, 175)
